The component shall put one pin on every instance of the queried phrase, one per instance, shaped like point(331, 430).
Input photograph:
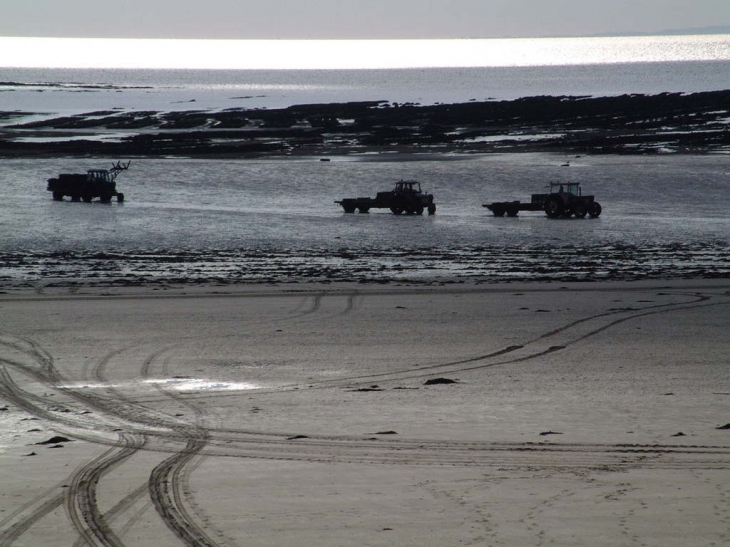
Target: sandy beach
point(348, 415)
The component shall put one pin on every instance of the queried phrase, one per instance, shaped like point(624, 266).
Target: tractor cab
point(572, 188)
point(407, 187)
point(99, 176)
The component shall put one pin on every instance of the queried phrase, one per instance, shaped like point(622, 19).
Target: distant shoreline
point(693, 123)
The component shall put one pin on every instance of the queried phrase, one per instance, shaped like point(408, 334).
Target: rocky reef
point(626, 124)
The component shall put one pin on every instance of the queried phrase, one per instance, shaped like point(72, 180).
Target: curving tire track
point(81, 501)
point(167, 497)
point(166, 484)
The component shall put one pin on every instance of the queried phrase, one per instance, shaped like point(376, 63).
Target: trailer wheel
point(396, 210)
point(512, 211)
point(594, 209)
point(497, 210)
point(57, 196)
point(554, 207)
point(87, 198)
point(348, 209)
point(580, 210)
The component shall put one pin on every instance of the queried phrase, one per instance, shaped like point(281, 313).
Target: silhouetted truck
point(407, 197)
point(565, 199)
point(95, 183)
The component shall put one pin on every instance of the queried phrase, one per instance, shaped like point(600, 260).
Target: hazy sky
point(301, 19)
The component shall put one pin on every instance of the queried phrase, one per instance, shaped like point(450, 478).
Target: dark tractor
point(406, 197)
point(565, 199)
point(95, 183)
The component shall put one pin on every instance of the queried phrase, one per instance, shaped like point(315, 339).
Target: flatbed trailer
point(563, 200)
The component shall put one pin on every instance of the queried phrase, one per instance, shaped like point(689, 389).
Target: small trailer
point(406, 197)
point(564, 199)
point(95, 183)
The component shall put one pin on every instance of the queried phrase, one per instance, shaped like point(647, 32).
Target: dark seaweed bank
point(627, 124)
point(462, 264)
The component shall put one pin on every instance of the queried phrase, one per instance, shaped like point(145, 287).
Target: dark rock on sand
point(55, 440)
point(437, 381)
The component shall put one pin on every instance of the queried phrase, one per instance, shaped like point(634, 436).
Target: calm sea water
point(662, 212)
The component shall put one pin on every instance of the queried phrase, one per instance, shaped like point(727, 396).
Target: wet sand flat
point(515, 414)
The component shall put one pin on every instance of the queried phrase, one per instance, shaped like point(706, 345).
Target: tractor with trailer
point(95, 183)
point(564, 199)
point(406, 197)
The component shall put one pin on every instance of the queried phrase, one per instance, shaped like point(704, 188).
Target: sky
point(352, 19)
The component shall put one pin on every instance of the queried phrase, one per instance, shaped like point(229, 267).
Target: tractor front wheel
point(594, 209)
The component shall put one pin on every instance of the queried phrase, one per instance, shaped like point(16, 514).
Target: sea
point(274, 220)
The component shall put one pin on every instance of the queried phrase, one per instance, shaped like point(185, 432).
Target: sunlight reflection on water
point(350, 54)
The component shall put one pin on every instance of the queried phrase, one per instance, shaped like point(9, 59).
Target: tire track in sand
point(81, 501)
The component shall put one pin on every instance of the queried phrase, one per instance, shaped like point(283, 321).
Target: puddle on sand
point(178, 384)
point(200, 384)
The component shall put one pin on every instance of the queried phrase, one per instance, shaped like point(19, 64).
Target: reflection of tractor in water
point(406, 197)
point(96, 183)
point(564, 200)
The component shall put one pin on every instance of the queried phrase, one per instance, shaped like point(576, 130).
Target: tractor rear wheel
point(396, 210)
point(58, 196)
point(554, 206)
